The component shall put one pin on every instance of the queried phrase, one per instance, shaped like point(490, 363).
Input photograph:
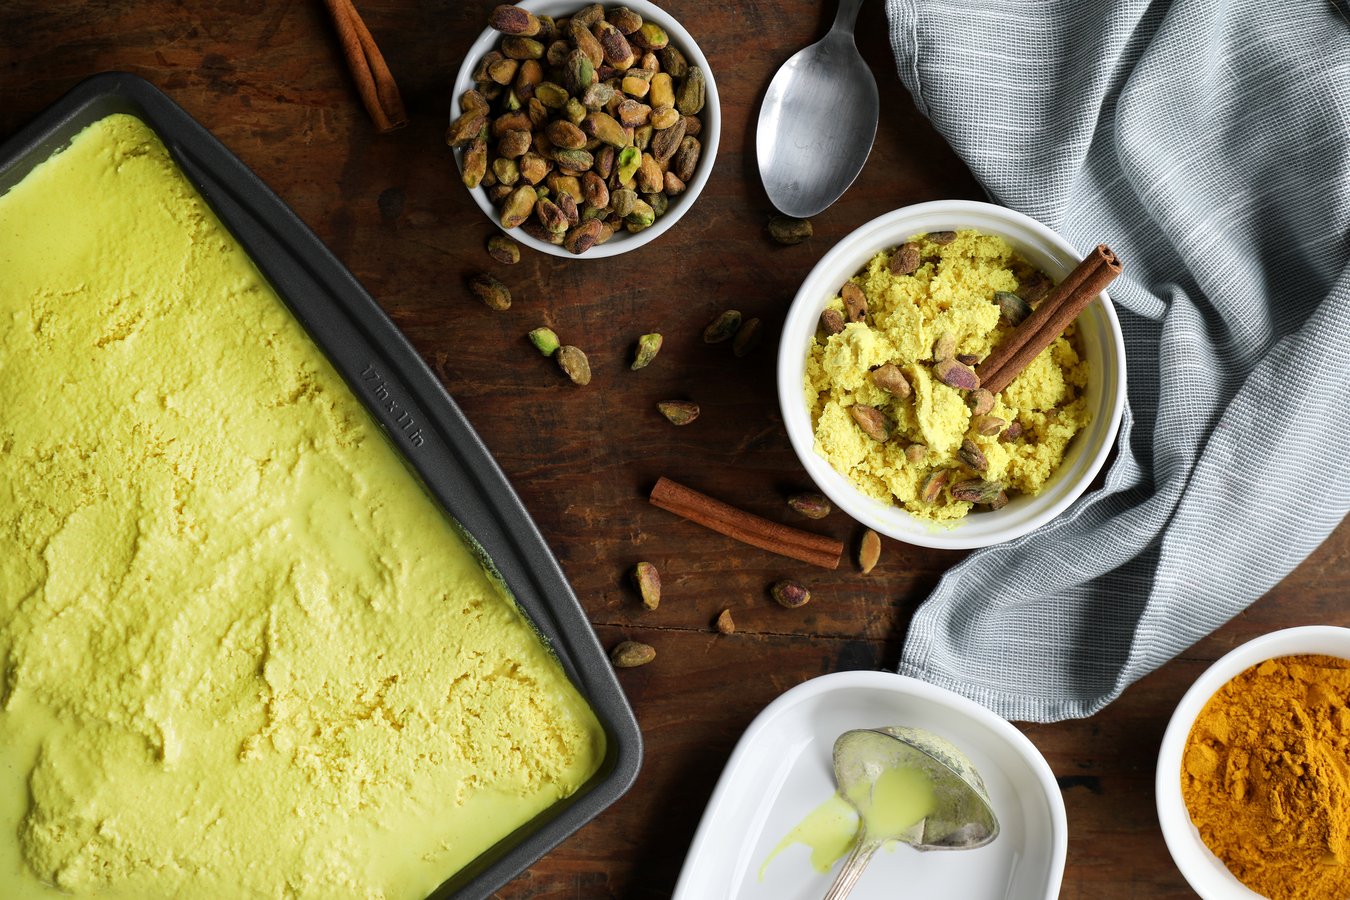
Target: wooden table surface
point(268, 80)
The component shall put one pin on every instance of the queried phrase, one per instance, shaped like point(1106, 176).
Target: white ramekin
point(1204, 871)
point(711, 115)
point(1098, 329)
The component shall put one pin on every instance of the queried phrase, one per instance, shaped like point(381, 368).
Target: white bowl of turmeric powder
point(1252, 788)
point(940, 463)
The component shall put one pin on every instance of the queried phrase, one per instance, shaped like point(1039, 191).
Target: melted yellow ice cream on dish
point(951, 291)
point(242, 653)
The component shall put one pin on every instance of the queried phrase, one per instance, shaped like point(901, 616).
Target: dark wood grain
point(269, 81)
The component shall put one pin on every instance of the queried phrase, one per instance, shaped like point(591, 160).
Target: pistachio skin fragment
point(869, 551)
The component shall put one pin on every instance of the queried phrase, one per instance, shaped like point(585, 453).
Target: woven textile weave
point(1208, 143)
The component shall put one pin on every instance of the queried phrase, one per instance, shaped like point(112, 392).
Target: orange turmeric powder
point(1266, 777)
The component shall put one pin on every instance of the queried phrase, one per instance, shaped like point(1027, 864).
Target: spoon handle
point(853, 866)
point(847, 16)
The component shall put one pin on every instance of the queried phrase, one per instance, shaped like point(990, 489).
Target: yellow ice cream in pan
point(242, 652)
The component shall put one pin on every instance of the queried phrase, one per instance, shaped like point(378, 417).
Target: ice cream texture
point(951, 291)
point(242, 652)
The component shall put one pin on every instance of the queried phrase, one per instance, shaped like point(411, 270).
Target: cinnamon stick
point(745, 527)
point(1048, 321)
point(374, 81)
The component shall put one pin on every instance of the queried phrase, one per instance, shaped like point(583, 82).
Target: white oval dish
point(623, 241)
point(781, 769)
point(1204, 871)
point(1102, 343)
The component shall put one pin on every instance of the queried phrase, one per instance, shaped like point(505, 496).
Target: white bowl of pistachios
point(924, 455)
point(615, 148)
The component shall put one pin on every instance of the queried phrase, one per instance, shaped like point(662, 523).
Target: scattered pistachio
point(1000, 500)
point(790, 594)
point(1012, 432)
point(956, 375)
point(648, 582)
point(491, 291)
point(916, 453)
point(967, 359)
point(869, 551)
point(942, 237)
point(905, 260)
point(976, 490)
point(574, 364)
point(855, 302)
point(872, 421)
point(831, 321)
point(503, 249)
point(544, 340)
point(747, 338)
point(631, 654)
point(722, 328)
point(813, 506)
point(933, 485)
point(788, 231)
point(725, 624)
point(647, 348)
point(891, 380)
point(678, 412)
point(1012, 308)
point(981, 401)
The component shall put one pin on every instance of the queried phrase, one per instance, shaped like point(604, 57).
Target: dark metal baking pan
point(404, 397)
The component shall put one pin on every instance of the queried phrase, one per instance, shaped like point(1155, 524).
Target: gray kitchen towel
point(1208, 143)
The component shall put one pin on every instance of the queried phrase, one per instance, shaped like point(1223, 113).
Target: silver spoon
point(959, 816)
point(818, 121)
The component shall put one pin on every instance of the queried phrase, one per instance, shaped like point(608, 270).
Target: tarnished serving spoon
point(818, 121)
point(912, 786)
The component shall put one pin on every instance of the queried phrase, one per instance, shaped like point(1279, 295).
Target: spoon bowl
point(818, 121)
point(908, 785)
